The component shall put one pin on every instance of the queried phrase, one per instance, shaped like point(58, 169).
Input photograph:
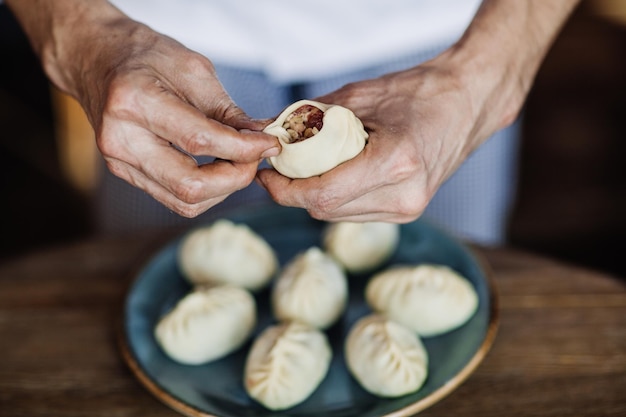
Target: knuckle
point(190, 190)
point(123, 99)
point(404, 167)
point(115, 167)
point(188, 211)
point(197, 64)
point(246, 177)
point(196, 142)
point(319, 215)
point(411, 205)
point(352, 89)
point(107, 142)
point(410, 209)
point(323, 204)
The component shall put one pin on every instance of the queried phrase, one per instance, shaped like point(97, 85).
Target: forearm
point(63, 34)
point(499, 55)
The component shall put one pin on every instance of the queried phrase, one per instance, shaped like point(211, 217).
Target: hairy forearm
point(82, 44)
point(63, 34)
point(502, 50)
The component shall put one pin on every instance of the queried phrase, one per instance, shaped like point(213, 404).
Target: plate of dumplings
point(268, 312)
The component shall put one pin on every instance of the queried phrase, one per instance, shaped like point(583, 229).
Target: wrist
point(82, 46)
point(71, 37)
point(499, 55)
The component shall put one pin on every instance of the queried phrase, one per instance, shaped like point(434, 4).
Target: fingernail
point(271, 152)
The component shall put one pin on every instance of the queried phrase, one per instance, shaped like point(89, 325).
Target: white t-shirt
point(293, 41)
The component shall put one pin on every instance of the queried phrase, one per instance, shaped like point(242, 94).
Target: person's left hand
point(422, 125)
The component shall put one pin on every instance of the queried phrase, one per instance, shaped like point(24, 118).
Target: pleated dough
point(227, 253)
point(430, 299)
point(341, 138)
point(386, 358)
point(207, 324)
point(286, 364)
point(361, 247)
point(312, 289)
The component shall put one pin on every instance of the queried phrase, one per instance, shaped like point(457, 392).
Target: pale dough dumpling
point(207, 324)
point(430, 299)
point(312, 289)
point(386, 358)
point(315, 138)
point(227, 253)
point(361, 247)
point(286, 364)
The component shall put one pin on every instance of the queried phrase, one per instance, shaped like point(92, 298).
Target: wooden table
point(560, 349)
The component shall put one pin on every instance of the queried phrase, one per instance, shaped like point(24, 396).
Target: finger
point(197, 83)
point(363, 188)
point(176, 121)
point(192, 183)
point(173, 170)
point(381, 204)
point(316, 193)
point(191, 130)
point(160, 193)
point(325, 193)
point(369, 217)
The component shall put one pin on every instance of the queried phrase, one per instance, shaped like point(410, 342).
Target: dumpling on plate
point(207, 324)
point(429, 299)
point(315, 138)
point(227, 253)
point(361, 247)
point(286, 364)
point(386, 358)
point(312, 288)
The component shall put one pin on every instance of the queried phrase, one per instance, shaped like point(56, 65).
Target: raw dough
point(312, 289)
point(361, 247)
point(227, 253)
point(386, 358)
point(207, 324)
point(430, 299)
point(340, 138)
point(286, 364)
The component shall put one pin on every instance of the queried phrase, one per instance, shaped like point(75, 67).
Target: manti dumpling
point(361, 247)
point(429, 299)
point(386, 358)
point(312, 288)
point(286, 364)
point(207, 324)
point(315, 138)
point(227, 253)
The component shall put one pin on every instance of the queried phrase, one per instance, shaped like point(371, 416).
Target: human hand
point(423, 122)
point(421, 127)
point(164, 95)
point(153, 103)
point(168, 95)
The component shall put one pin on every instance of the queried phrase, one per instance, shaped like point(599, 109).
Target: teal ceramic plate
point(216, 389)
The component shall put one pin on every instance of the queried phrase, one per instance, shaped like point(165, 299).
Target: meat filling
point(303, 123)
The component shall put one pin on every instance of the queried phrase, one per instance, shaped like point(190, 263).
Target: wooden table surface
point(560, 348)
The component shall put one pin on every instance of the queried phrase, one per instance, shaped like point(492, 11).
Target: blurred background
point(572, 196)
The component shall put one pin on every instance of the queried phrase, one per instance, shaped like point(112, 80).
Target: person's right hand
point(147, 95)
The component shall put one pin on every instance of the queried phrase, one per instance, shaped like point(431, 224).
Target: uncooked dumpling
point(312, 289)
point(286, 364)
point(430, 299)
point(361, 247)
point(315, 138)
point(386, 358)
point(207, 324)
point(227, 253)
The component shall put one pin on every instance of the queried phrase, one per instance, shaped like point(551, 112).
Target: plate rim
point(440, 393)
